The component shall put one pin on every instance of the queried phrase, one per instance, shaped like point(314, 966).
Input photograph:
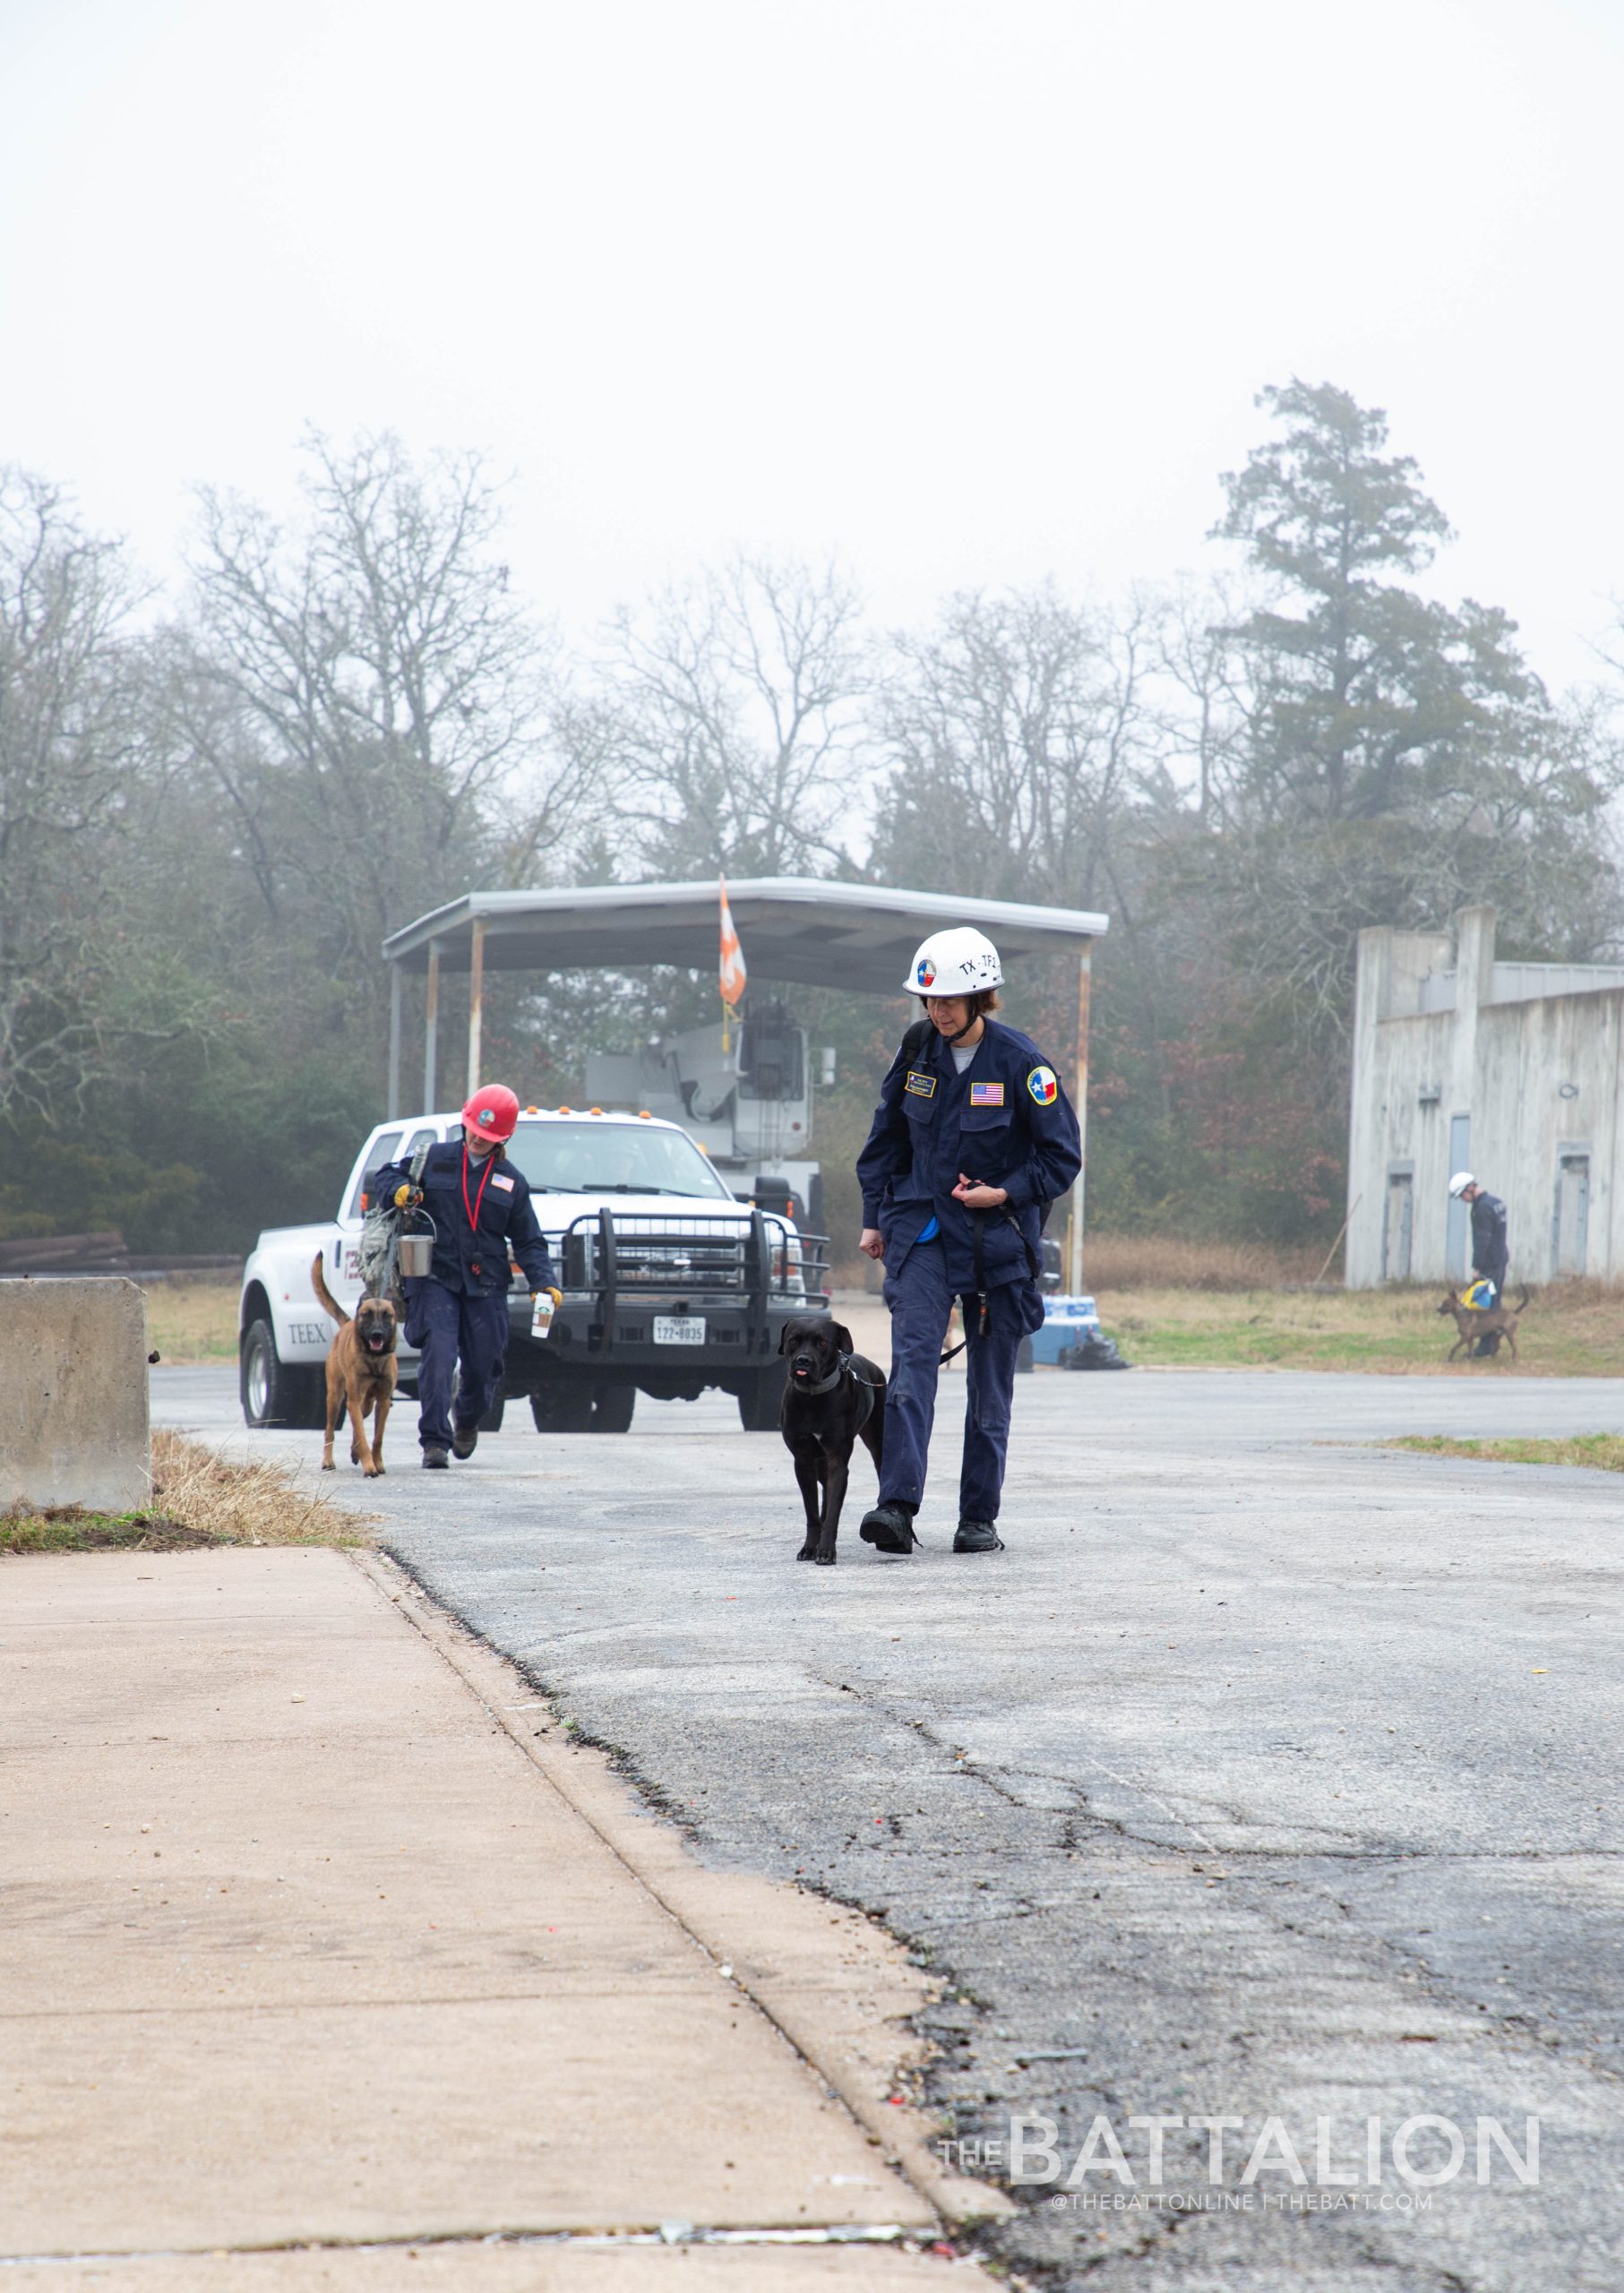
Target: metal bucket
point(413, 1252)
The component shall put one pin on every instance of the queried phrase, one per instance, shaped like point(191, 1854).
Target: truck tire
point(274, 1392)
point(760, 1398)
point(562, 1406)
point(612, 1408)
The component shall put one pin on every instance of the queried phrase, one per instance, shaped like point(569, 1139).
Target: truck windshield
point(610, 1158)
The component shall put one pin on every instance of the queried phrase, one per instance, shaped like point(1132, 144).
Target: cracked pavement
point(1268, 1773)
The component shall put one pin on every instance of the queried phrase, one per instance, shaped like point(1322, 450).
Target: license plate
point(679, 1329)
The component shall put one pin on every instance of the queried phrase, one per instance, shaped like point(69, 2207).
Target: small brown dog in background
point(360, 1374)
point(1473, 1322)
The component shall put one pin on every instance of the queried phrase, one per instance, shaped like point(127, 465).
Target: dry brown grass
point(193, 1322)
point(1570, 1330)
point(242, 1504)
point(1167, 1262)
point(198, 1498)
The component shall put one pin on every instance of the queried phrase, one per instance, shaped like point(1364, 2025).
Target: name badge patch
point(923, 1087)
point(506, 1185)
point(986, 1095)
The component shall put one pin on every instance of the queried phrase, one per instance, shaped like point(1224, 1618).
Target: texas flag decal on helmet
point(1041, 1083)
point(926, 973)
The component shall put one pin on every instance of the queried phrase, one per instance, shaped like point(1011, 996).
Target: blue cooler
point(1067, 1321)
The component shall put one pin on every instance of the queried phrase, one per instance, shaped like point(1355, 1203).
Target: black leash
point(983, 1310)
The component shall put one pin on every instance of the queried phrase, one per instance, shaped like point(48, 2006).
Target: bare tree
point(368, 695)
point(727, 714)
point(1021, 728)
point(1203, 704)
point(75, 757)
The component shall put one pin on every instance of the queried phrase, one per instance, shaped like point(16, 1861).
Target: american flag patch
point(505, 1184)
point(986, 1095)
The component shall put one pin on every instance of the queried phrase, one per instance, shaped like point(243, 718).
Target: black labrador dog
point(831, 1398)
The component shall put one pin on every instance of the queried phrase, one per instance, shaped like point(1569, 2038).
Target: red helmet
point(491, 1114)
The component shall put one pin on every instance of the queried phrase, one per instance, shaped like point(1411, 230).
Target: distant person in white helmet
point(1491, 1251)
point(973, 1138)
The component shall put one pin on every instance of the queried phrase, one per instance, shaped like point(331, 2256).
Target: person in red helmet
point(456, 1313)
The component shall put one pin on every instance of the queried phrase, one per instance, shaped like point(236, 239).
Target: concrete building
point(1513, 1071)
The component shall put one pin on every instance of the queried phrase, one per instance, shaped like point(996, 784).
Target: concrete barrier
point(73, 1394)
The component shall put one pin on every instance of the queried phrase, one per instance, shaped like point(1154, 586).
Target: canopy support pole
point(476, 1002)
point(396, 986)
point(431, 1027)
point(1079, 1085)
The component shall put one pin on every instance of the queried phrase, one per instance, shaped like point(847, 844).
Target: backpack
point(380, 1232)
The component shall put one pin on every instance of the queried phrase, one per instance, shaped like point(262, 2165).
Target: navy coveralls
point(1006, 1121)
point(459, 1310)
point(1489, 1253)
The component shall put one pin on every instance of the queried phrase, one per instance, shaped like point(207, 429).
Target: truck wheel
point(612, 1408)
point(560, 1407)
point(760, 1398)
point(275, 1392)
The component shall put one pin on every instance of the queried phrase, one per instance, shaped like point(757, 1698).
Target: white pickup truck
point(670, 1283)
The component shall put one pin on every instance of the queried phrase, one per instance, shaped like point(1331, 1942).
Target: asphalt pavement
point(1269, 1775)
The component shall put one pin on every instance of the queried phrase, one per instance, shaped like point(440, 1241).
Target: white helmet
point(1459, 1183)
point(955, 963)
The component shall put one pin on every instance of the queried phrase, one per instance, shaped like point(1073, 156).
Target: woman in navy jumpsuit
point(973, 1137)
point(457, 1314)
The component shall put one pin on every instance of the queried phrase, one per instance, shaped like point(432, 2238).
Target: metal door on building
point(1398, 1235)
point(1570, 1227)
point(1458, 1230)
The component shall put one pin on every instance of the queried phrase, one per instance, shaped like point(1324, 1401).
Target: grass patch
point(1570, 1330)
point(193, 1322)
point(198, 1500)
point(1168, 1262)
point(1604, 1451)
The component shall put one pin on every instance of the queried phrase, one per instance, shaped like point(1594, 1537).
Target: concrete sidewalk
point(319, 1938)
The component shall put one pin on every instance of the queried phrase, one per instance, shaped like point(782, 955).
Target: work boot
point(435, 1460)
point(465, 1440)
point(889, 1528)
point(977, 1536)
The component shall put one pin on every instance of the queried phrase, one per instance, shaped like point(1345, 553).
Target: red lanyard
point(491, 1162)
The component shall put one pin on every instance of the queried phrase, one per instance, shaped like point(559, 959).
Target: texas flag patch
point(986, 1095)
point(1042, 1086)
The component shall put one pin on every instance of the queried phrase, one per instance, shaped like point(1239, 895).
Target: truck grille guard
point(749, 1260)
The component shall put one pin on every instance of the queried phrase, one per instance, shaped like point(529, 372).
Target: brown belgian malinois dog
point(360, 1374)
point(1473, 1322)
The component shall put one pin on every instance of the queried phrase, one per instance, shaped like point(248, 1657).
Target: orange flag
point(732, 976)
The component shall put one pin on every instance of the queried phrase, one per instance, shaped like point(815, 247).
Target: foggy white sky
point(966, 294)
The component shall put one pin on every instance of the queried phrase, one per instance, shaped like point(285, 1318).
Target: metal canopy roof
point(799, 928)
